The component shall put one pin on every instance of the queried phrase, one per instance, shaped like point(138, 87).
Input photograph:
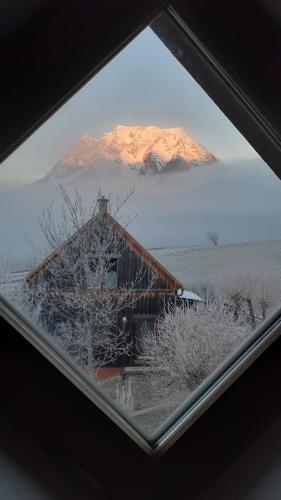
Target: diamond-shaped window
point(140, 238)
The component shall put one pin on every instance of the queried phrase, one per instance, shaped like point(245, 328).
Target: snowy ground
point(193, 265)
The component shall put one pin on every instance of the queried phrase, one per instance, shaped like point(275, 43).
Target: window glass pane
point(140, 232)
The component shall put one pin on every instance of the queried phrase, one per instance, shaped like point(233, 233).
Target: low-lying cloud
point(240, 200)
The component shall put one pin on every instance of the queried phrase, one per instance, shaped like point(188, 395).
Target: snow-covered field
point(193, 265)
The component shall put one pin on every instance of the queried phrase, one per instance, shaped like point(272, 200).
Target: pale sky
point(143, 85)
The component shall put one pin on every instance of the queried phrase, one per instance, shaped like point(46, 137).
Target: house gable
point(133, 258)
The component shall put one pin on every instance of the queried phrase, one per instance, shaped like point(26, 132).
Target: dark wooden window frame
point(265, 139)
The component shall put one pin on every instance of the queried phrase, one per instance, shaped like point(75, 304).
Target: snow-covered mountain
point(142, 150)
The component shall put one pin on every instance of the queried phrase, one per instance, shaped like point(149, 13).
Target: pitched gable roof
point(135, 246)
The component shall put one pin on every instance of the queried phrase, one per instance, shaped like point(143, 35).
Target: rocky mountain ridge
point(147, 150)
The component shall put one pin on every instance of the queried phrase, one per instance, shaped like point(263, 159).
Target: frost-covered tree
point(74, 297)
point(238, 288)
point(251, 292)
point(267, 292)
point(190, 342)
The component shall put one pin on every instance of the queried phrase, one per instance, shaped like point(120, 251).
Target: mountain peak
point(147, 131)
point(80, 153)
point(144, 149)
point(86, 137)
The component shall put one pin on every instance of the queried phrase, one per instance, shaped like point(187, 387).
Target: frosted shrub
point(190, 342)
point(124, 396)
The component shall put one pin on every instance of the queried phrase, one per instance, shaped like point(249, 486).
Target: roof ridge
point(124, 234)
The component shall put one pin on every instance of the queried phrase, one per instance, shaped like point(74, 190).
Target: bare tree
point(213, 237)
point(251, 292)
point(74, 296)
point(189, 344)
point(238, 288)
point(266, 295)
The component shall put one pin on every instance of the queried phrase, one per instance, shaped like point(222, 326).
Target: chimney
point(103, 205)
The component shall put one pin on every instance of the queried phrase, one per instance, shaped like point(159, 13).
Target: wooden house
point(130, 269)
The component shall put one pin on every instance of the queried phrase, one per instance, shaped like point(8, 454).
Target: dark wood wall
point(133, 268)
